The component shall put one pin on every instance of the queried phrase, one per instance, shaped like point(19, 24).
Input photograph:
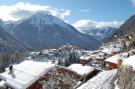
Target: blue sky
point(99, 10)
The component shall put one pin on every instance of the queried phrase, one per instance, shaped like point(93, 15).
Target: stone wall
point(126, 77)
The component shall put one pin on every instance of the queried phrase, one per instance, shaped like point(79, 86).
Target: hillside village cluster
point(69, 67)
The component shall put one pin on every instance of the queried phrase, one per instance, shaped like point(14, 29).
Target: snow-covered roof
point(130, 61)
point(80, 69)
point(116, 49)
point(119, 45)
point(101, 81)
point(97, 56)
point(25, 74)
point(113, 59)
point(2, 84)
point(85, 57)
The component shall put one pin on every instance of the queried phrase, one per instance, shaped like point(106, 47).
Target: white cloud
point(65, 13)
point(133, 1)
point(66, 21)
point(96, 24)
point(23, 10)
point(85, 10)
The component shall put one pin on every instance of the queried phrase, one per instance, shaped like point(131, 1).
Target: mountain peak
point(46, 31)
point(42, 14)
point(45, 18)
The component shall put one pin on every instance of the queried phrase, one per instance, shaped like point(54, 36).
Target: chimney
point(10, 69)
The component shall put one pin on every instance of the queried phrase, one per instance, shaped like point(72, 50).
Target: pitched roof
point(80, 69)
point(25, 74)
point(113, 59)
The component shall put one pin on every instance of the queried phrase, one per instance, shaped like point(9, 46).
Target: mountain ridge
point(47, 31)
point(9, 43)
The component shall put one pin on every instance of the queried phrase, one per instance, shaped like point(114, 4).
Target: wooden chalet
point(38, 75)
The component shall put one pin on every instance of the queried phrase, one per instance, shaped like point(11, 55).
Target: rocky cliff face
point(126, 72)
point(126, 77)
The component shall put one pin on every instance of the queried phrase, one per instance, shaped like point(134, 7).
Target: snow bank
point(101, 81)
point(130, 61)
point(126, 74)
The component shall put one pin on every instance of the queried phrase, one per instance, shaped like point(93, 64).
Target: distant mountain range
point(47, 31)
point(98, 33)
point(99, 30)
point(126, 28)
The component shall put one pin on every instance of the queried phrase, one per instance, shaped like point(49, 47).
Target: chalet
point(115, 50)
point(25, 75)
point(112, 62)
point(86, 72)
point(38, 75)
point(80, 69)
point(85, 59)
point(98, 60)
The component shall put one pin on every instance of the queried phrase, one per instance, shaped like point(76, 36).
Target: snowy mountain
point(98, 33)
point(8, 43)
point(98, 30)
point(47, 31)
point(8, 26)
point(128, 26)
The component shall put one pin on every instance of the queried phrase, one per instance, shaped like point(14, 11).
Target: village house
point(85, 60)
point(85, 71)
point(115, 50)
point(112, 62)
point(43, 75)
point(97, 60)
point(25, 75)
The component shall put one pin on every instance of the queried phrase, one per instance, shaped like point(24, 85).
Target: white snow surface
point(101, 81)
point(116, 49)
point(2, 83)
point(106, 50)
point(42, 18)
point(113, 59)
point(80, 69)
point(116, 85)
point(25, 74)
point(85, 57)
point(130, 61)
